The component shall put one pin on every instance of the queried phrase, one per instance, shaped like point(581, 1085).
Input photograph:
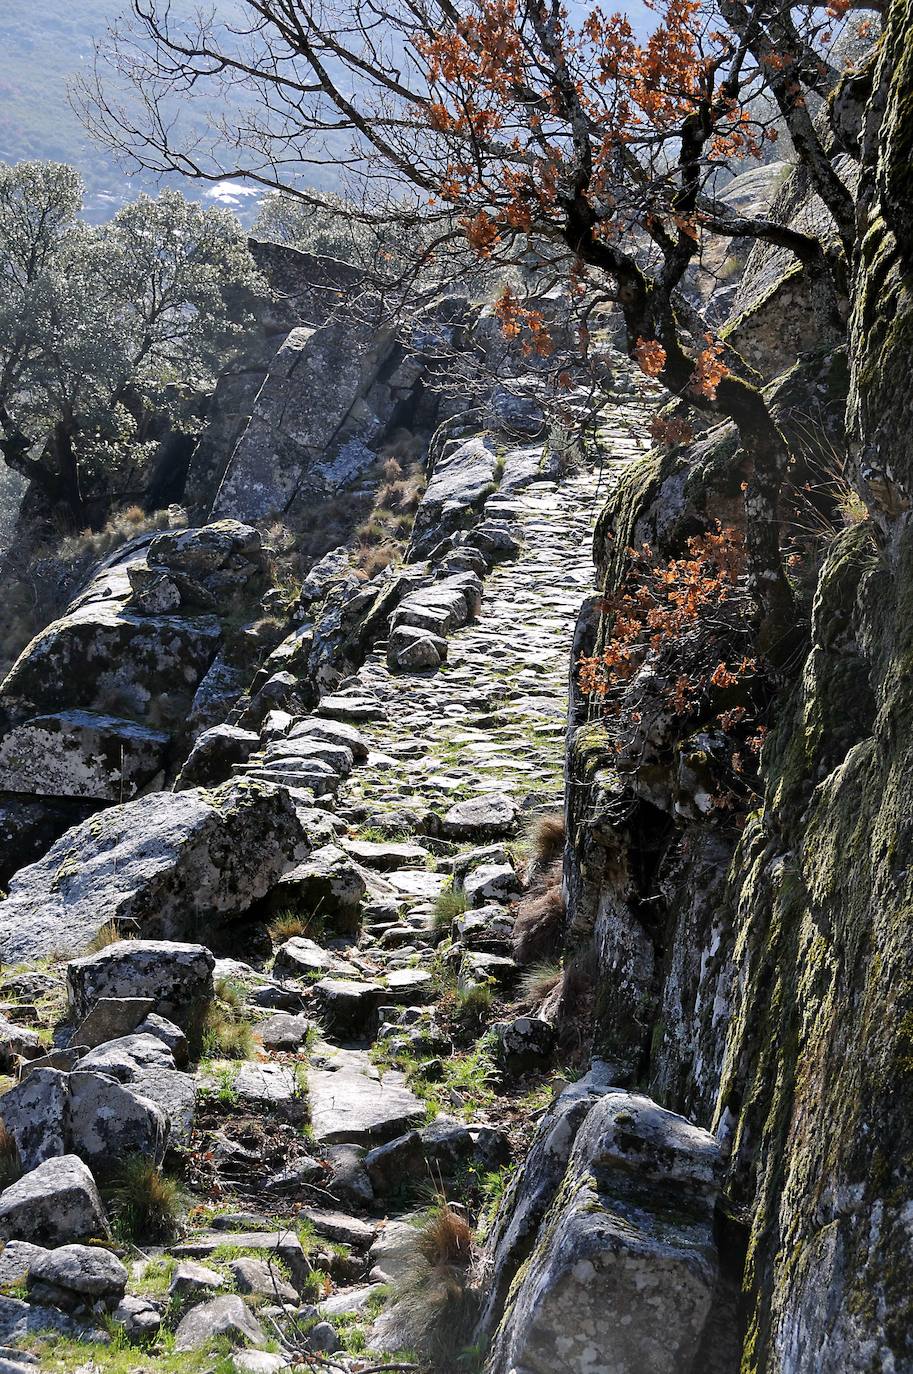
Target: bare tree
point(501, 122)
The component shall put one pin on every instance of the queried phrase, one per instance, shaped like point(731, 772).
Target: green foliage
point(448, 905)
point(108, 331)
point(473, 1005)
point(329, 226)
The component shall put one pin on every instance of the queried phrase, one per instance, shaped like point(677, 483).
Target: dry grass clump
point(539, 981)
point(109, 934)
point(10, 1167)
point(539, 923)
point(287, 925)
point(438, 1305)
point(546, 838)
point(146, 1204)
point(445, 1238)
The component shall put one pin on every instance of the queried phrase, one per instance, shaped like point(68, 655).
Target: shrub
point(291, 925)
point(539, 923)
point(371, 561)
point(146, 1203)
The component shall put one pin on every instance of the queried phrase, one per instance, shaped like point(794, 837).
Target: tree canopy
point(106, 331)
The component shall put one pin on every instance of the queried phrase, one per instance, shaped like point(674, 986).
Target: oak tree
point(522, 129)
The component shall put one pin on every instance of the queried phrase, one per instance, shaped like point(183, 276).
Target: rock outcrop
point(165, 866)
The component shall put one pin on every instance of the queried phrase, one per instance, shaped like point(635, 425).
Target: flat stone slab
point(417, 882)
point(354, 1105)
point(341, 1227)
point(283, 1245)
point(376, 854)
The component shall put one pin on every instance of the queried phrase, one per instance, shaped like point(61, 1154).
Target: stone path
point(493, 717)
point(422, 777)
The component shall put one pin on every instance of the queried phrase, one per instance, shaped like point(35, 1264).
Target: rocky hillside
point(461, 952)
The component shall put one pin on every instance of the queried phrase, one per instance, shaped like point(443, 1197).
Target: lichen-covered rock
point(176, 978)
point(127, 1057)
point(490, 816)
point(312, 421)
point(169, 1034)
point(101, 653)
point(623, 1274)
point(523, 1044)
point(111, 1018)
point(159, 865)
point(228, 1317)
point(532, 1191)
point(81, 754)
point(332, 732)
point(139, 1317)
point(78, 1274)
point(461, 478)
point(17, 1040)
point(35, 1112)
point(214, 753)
point(354, 1104)
point(55, 1204)
point(490, 883)
point(328, 882)
point(109, 1121)
point(412, 650)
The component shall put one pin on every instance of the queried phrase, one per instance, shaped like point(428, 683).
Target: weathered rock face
point(623, 1273)
point(164, 865)
point(175, 979)
point(312, 422)
point(81, 754)
point(55, 1204)
point(305, 290)
point(462, 475)
point(95, 706)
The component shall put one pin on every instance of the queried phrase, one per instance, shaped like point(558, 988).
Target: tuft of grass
point(473, 1006)
point(539, 923)
point(146, 1204)
point(437, 1305)
point(445, 1237)
point(546, 837)
point(109, 934)
point(231, 992)
point(287, 925)
point(448, 905)
point(225, 1036)
point(10, 1167)
point(539, 980)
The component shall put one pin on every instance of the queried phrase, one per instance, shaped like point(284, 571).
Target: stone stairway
point(367, 1089)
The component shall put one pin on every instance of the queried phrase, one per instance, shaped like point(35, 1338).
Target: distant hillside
point(44, 46)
